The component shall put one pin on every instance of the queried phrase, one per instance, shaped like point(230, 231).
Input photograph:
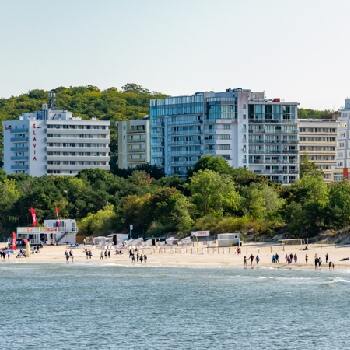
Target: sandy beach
point(197, 256)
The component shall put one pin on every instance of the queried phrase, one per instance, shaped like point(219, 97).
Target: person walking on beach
point(109, 253)
point(316, 262)
point(101, 255)
point(295, 258)
point(67, 256)
point(245, 261)
point(141, 258)
point(327, 258)
point(133, 258)
point(306, 258)
point(137, 257)
point(144, 258)
point(257, 259)
point(71, 255)
point(251, 259)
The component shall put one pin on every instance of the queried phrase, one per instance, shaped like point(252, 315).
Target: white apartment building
point(53, 142)
point(343, 143)
point(318, 142)
point(133, 143)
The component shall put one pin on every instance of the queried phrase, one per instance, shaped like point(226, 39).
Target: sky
point(297, 50)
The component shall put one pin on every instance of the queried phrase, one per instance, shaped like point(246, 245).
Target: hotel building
point(242, 126)
point(133, 143)
point(53, 142)
point(318, 142)
point(343, 143)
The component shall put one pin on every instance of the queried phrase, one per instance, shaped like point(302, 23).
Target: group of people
point(88, 253)
point(251, 258)
point(318, 262)
point(275, 258)
point(290, 258)
point(4, 253)
point(135, 256)
point(69, 255)
point(106, 254)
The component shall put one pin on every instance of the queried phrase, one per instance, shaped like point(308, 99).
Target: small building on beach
point(228, 239)
point(53, 232)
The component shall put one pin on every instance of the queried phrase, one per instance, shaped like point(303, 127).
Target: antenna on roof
point(52, 100)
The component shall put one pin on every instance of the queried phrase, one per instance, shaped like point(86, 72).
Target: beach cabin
point(200, 236)
point(53, 232)
point(118, 238)
point(228, 239)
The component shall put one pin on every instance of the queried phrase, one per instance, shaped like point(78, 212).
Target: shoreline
point(175, 257)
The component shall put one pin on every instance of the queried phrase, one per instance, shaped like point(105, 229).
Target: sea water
point(110, 307)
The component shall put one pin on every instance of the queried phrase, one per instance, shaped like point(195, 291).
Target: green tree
point(308, 168)
point(215, 163)
point(307, 206)
point(263, 202)
point(170, 211)
point(339, 205)
point(213, 193)
point(100, 223)
point(135, 210)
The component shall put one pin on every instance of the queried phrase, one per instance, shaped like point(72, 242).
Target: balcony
point(19, 139)
point(72, 167)
point(77, 149)
point(19, 149)
point(75, 158)
point(19, 167)
point(78, 140)
point(18, 130)
point(20, 157)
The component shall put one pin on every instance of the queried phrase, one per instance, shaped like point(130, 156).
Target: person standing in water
point(257, 259)
point(67, 256)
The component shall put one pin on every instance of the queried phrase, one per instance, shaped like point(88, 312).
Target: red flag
point(58, 222)
point(13, 241)
point(34, 218)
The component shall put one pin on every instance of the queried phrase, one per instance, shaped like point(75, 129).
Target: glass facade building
point(240, 125)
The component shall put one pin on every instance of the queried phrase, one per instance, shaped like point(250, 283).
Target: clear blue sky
point(294, 49)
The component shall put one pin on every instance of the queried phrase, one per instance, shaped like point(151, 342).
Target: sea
point(58, 306)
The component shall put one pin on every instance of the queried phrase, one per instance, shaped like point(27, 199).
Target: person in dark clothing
point(67, 256)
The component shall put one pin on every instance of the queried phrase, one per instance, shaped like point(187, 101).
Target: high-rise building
point(242, 126)
point(343, 143)
point(53, 142)
point(318, 141)
point(133, 143)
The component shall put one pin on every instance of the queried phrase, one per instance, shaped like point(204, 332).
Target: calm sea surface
point(111, 307)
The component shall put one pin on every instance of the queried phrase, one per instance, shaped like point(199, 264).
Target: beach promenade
point(199, 256)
